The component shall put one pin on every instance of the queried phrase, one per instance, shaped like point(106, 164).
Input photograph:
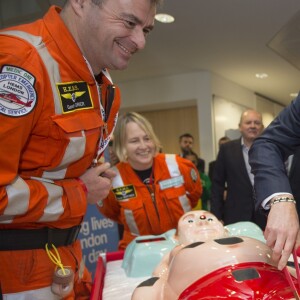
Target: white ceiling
point(227, 37)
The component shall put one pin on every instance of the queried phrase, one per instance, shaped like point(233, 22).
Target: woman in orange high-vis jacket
point(151, 190)
point(58, 109)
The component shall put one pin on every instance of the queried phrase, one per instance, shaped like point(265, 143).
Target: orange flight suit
point(152, 209)
point(51, 128)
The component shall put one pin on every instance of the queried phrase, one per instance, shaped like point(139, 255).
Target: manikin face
point(139, 147)
point(199, 226)
point(109, 34)
point(251, 126)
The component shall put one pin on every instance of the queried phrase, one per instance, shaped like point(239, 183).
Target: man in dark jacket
point(232, 170)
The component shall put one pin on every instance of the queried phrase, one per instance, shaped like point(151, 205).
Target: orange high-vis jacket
point(52, 128)
point(51, 125)
point(152, 209)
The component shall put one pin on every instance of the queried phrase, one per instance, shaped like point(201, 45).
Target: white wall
point(268, 109)
point(226, 118)
point(230, 91)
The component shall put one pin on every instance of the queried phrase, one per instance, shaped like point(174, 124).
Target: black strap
point(28, 239)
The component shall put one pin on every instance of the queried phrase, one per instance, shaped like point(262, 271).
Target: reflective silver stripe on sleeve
point(117, 180)
point(54, 208)
point(18, 195)
point(172, 165)
point(32, 293)
point(185, 203)
point(131, 222)
point(174, 171)
point(74, 151)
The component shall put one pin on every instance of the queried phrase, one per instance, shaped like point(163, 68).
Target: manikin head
point(199, 226)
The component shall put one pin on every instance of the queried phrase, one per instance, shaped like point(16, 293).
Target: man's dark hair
point(100, 2)
point(188, 135)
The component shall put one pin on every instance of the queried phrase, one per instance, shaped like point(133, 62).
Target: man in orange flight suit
point(58, 109)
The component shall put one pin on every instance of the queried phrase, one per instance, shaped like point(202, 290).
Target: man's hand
point(281, 231)
point(98, 182)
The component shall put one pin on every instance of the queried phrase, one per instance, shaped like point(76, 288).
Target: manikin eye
point(210, 219)
point(190, 221)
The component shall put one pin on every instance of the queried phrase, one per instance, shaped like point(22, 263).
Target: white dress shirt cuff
point(266, 205)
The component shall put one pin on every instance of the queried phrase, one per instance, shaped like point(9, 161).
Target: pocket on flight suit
point(133, 210)
point(176, 201)
point(81, 131)
point(25, 270)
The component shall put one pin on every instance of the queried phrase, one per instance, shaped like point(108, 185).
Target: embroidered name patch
point(172, 182)
point(17, 93)
point(74, 96)
point(124, 192)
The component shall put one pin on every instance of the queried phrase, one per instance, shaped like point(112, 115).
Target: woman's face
point(139, 147)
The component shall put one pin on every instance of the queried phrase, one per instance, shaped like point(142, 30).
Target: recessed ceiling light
point(294, 95)
point(261, 75)
point(164, 18)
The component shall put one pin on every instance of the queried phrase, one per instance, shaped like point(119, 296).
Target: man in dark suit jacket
point(273, 190)
point(294, 177)
point(232, 170)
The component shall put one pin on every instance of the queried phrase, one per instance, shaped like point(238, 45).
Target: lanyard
point(150, 185)
point(103, 142)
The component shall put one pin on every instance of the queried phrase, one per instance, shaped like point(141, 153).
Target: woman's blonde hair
point(120, 133)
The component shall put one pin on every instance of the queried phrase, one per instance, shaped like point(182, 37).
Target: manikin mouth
point(206, 229)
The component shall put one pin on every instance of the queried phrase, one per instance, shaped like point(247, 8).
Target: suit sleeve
point(269, 152)
point(218, 185)
point(192, 182)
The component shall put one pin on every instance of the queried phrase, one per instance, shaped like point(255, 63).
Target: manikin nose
point(202, 220)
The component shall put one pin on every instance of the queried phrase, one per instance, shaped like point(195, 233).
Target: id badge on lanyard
point(109, 94)
point(105, 109)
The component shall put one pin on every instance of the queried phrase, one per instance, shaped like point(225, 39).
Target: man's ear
point(78, 6)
